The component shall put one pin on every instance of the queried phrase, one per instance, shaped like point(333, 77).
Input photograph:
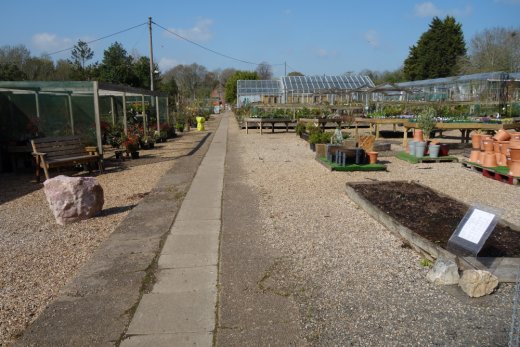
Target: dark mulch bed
point(433, 216)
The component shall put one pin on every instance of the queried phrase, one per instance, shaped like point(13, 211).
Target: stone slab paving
point(181, 308)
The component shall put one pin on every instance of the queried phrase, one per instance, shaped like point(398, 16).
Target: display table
point(465, 128)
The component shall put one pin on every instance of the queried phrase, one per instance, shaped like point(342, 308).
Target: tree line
point(439, 52)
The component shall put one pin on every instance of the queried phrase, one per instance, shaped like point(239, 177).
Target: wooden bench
point(52, 152)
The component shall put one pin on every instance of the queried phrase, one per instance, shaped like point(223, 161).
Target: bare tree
point(496, 49)
point(264, 71)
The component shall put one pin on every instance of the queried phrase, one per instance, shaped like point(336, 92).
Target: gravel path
point(38, 257)
point(354, 282)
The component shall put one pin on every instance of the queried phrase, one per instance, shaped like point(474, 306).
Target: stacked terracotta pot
point(503, 149)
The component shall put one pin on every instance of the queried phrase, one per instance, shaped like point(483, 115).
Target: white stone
point(477, 283)
point(444, 272)
point(72, 199)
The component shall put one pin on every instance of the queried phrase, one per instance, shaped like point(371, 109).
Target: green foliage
point(426, 121)
point(11, 72)
point(116, 66)
point(424, 262)
point(231, 84)
point(437, 51)
point(310, 128)
point(320, 137)
point(299, 129)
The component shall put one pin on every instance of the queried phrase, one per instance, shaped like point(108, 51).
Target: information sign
point(473, 231)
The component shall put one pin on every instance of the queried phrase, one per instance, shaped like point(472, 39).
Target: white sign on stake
point(474, 229)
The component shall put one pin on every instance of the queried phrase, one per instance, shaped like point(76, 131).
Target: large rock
point(477, 283)
point(444, 272)
point(73, 198)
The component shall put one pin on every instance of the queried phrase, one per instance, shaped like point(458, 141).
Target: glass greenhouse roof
point(497, 76)
point(311, 84)
point(258, 87)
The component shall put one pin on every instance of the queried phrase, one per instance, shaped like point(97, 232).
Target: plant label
point(473, 230)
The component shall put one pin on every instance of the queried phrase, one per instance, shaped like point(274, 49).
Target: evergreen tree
point(437, 51)
point(116, 66)
point(80, 54)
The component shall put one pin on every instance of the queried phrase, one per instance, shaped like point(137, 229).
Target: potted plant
point(426, 121)
point(299, 129)
point(367, 143)
point(319, 138)
point(131, 144)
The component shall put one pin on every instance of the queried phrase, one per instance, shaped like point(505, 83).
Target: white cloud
point(50, 42)
point(427, 9)
point(372, 38)
point(200, 32)
point(167, 63)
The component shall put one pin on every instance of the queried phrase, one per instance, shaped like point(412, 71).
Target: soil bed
point(433, 216)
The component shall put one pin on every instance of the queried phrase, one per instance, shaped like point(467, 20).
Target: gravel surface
point(38, 256)
point(355, 283)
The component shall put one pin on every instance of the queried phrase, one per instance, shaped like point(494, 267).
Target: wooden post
point(71, 114)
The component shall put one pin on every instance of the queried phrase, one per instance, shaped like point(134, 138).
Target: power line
point(293, 68)
point(101, 38)
point(209, 49)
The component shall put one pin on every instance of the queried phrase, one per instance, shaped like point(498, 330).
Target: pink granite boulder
point(72, 199)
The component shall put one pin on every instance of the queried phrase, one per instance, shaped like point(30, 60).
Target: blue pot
point(411, 147)
point(419, 149)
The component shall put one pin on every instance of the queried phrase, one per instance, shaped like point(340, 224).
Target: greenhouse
point(32, 109)
point(332, 90)
point(499, 90)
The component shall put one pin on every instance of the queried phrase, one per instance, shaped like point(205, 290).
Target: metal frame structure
point(304, 90)
point(78, 89)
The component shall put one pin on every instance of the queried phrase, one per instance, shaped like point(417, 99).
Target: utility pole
point(151, 53)
point(285, 64)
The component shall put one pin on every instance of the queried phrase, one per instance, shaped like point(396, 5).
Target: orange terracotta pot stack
point(496, 151)
point(513, 155)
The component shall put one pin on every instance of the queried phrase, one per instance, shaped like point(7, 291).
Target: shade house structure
point(32, 109)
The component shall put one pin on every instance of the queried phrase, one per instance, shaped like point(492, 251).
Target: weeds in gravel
point(425, 262)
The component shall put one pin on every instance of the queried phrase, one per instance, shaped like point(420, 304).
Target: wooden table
point(322, 122)
point(465, 128)
point(272, 121)
point(374, 123)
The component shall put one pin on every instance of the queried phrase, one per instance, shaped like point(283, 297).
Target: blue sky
point(313, 37)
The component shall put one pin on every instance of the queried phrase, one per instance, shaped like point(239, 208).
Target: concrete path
point(180, 310)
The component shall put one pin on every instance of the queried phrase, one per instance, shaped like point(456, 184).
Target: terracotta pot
point(481, 157)
point(504, 145)
point(502, 161)
point(496, 147)
point(514, 143)
point(475, 141)
point(372, 156)
point(487, 145)
point(514, 168)
point(498, 157)
point(475, 154)
point(418, 135)
point(490, 160)
point(484, 138)
point(502, 135)
point(515, 136)
point(514, 153)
